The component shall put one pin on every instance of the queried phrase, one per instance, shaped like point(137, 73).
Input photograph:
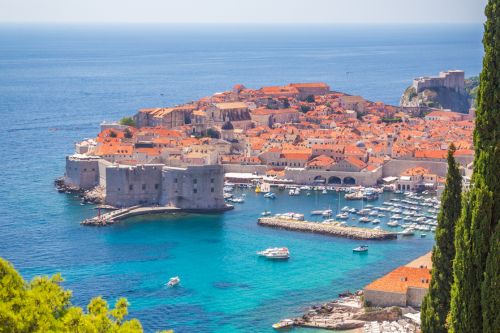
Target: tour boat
point(173, 281)
point(265, 213)
point(283, 324)
point(362, 248)
point(275, 253)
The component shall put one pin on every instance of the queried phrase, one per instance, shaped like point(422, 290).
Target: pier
point(330, 228)
point(125, 213)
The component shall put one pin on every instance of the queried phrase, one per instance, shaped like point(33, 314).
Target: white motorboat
point(361, 248)
point(270, 195)
point(343, 216)
point(275, 253)
point(316, 212)
point(173, 281)
point(392, 223)
point(327, 213)
point(376, 221)
point(265, 213)
point(407, 232)
point(365, 219)
point(283, 324)
point(345, 209)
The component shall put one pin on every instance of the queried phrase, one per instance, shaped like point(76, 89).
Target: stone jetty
point(124, 213)
point(326, 228)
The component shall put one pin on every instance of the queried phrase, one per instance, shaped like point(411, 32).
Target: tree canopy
point(42, 305)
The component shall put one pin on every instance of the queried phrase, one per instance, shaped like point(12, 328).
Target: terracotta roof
point(400, 279)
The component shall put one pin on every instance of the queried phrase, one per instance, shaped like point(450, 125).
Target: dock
point(125, 213)
point(330, 228)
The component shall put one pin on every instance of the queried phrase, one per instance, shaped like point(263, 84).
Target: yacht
point(361, 248)
point(275, 253)
point(173, 281)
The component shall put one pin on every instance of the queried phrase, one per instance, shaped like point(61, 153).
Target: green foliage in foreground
point(475, 300)
point(42, 305)
point(127, 121)
point(436, 303)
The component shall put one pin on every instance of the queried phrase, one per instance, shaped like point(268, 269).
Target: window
point(175, 180)
point(212, 180)
point(156, 186)
point(143, 187)
point(195, 181)
point(131, 187)
point(195, 190)
point(212, 190)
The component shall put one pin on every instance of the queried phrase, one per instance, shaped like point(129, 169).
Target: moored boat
point(361, 248)
point(173, 281)
point(283, 324)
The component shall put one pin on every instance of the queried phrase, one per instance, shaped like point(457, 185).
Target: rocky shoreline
point(93, 196)
point(348, 312)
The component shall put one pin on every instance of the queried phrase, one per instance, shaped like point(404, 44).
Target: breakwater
point(328, 228)
point(124, 213)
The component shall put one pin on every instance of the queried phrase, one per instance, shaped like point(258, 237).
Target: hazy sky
point(246, 11)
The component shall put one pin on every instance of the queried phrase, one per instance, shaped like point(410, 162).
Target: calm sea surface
point(57, 83)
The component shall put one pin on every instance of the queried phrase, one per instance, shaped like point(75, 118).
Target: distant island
point(449, 90)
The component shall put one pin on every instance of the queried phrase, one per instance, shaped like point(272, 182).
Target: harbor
point(326, 228)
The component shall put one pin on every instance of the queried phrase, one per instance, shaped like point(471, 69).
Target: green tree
point(436, 303)
point(42, 305)
point(127, 121)
point(310, 99)
point(474, 307)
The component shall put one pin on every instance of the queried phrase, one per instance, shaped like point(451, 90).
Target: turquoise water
point(57, 83)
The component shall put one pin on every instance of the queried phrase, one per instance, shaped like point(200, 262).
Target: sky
point(246, 11)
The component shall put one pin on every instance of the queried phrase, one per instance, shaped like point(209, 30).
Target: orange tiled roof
point(400, 279)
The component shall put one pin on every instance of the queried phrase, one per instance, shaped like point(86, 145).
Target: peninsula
point(304, 133)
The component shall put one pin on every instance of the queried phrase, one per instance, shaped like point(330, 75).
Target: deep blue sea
point(58, 82)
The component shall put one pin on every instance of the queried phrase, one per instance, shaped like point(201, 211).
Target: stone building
point(82, 171)
point(269, 117)
point(404, 286)
point(238, 113)
point(308, 89)
point(453, 79)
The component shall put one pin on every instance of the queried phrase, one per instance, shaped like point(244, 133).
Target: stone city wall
point(193, 187)
point(133, 185)
point(396, 167)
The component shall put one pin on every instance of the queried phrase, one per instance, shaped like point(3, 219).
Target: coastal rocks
point(384, 314)
point(327, 229)
point(95, 195)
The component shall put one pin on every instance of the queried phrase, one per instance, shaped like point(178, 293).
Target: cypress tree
point(474, 307)
point(436, 304)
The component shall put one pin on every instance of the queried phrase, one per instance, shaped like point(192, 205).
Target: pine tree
point(436, 304)
point(476, 262)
